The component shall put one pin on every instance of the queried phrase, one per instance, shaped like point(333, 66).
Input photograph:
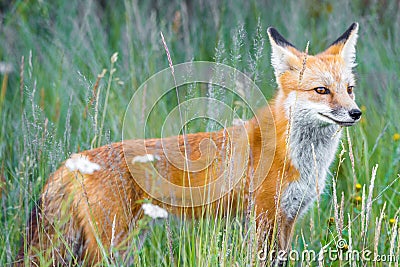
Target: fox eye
point(350, 89)
point(322, 90)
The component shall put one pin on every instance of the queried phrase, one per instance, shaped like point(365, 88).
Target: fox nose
point(355, 114)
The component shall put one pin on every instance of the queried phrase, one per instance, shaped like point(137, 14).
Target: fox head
point(319, 87)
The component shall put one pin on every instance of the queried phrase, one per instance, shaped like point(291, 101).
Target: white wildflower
point(154, 211)
point(145, 158)
point(81, 163)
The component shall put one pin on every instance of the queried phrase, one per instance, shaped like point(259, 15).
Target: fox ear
point(345, 45)
point(283, 55)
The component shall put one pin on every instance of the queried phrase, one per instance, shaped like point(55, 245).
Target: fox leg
point(285, 234)
point(42, 242)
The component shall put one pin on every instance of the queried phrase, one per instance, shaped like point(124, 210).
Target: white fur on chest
point(312, 148)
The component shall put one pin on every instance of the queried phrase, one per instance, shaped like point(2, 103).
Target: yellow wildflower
point(358, 187)
point(357, 199)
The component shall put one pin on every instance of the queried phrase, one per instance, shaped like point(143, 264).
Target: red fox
point(92, 198)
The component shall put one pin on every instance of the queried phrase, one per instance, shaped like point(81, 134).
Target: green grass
point(48, 108)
